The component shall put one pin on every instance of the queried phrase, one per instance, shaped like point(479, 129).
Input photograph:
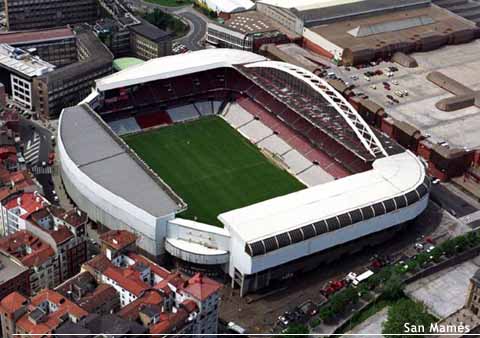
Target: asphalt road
point(27, 130)
point(450, 201)
point(198, 24)
point(198, 29)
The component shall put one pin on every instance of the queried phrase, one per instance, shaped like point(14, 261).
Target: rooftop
point(26, 37)
point(229, 6)
point(390, 28)
point(26, 247)
point(201, 287)
point(128, 275)
point(27, 203)
point(13, 302)
point(126, 62)
point(315, 11)
point(150, 32)
point(391, 176)
point(118, 239)
point(177, 65)
point(95, 324)
point(80, 128)
point(458, 128)
point(22, 62)
point(253, 22)
point(9, 268)
point(54, 307)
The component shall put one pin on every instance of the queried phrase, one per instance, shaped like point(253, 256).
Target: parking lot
point(446, 291)
point(457, 128)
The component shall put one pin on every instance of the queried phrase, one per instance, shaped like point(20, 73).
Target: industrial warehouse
point(358, 185)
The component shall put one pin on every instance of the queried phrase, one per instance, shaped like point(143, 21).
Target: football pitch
point(212, 167)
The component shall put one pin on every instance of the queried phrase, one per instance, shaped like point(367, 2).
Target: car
point(395, 82)
point(419, 246)
point(235, 328)
point(55, 198)
point(54, 192)
point(44, 164)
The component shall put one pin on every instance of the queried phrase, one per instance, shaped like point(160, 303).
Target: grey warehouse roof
point(108, 161)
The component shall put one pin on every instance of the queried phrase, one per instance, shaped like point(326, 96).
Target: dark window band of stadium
point(337, 222)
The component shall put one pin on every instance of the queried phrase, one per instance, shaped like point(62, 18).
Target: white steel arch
point(341, 105)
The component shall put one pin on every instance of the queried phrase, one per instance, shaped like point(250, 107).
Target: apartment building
point(31, 15)
point(149, 42)
point(18, 69)
point(39, 315)
point(52, 245)
point(152, 295)
point(66, 86)
point(55, 45)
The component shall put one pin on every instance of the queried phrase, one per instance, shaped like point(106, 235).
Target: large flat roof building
point(360, 40)
point(25, 15)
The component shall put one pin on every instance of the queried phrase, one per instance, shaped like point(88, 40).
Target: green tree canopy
point(296, 329)
point(406, 311)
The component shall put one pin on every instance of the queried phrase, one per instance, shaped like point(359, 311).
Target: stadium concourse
point(361, 187)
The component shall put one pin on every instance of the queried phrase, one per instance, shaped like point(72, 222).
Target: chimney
point(19, 201)
point(37, 199)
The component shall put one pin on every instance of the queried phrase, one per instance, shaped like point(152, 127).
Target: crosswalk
point(32, 150)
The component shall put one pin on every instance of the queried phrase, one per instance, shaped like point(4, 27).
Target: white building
point(258, 243)
point(226, 6)
point(21, 67)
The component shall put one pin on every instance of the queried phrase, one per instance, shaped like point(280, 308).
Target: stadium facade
point(385, 187)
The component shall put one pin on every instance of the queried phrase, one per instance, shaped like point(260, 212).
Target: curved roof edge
point(391, 184)
point(177, 65)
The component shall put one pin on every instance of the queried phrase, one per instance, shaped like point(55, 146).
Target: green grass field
point(212, 167)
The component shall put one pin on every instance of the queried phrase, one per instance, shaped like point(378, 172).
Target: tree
point(393, 288)
point(296, 329)
point(406, 311)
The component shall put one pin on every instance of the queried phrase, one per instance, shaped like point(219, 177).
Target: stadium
point(229, 162)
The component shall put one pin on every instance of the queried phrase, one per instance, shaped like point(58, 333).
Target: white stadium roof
point(390, 177)
point(229, 6)
point(177, 65)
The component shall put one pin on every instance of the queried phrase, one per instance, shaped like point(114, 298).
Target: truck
point(357, 279)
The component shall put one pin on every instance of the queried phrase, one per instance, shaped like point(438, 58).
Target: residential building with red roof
point(39, 315)
point(93, 297)
point(14, 276)
point(163, 301)
point(16, 208)
point(51, 248)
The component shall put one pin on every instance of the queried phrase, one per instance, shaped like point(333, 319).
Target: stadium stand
point(125, 126)
point(153, 119)
point(183, 113)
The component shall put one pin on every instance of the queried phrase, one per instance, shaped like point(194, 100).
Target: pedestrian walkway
point(32, 150)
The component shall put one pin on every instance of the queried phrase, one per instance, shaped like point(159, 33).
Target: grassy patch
point(212, 167)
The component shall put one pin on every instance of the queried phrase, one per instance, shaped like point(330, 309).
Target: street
point(35, 134)
point(261, 316)
point(197, 22)
point(453, 203)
